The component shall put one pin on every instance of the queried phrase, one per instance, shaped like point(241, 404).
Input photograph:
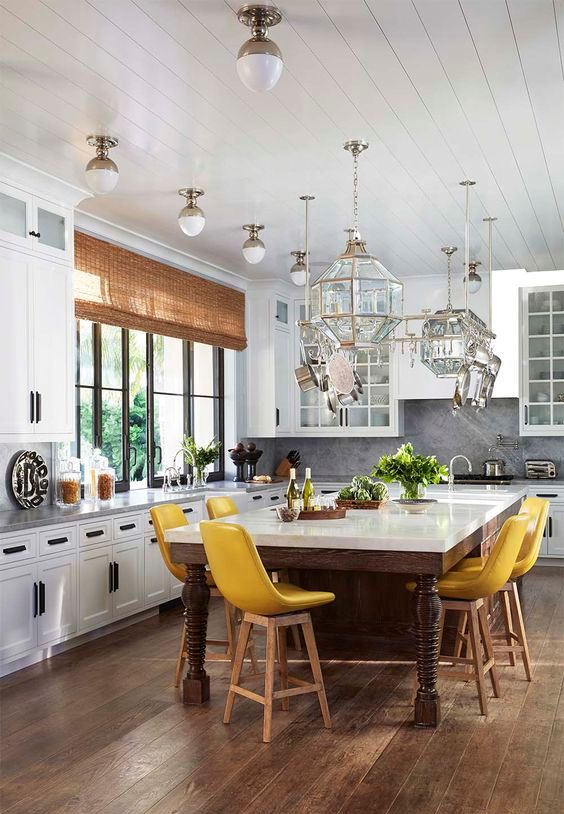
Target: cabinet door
point(18, 610)
point(15, 347)
point(57, 599)
point(95, 600)
point(129, 588)
point(52, 229)
point(282, 361)
point(15, 216)
point(555, 532)
point(156, 574)
point(53, 324)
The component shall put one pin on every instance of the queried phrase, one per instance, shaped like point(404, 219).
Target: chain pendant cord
point(355, 194)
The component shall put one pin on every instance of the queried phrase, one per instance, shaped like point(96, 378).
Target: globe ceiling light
point(474, 279)
point(102, 173)
point(356, 302)
point(298, 272)
point(191, 218)
point(253, 248)
point(259, 62)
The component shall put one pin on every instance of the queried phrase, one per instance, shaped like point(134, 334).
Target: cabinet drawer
point(92, 533)
point(14, 547)
point(128, 525)
point(57, 539)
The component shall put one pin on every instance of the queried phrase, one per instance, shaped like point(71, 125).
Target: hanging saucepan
point(483, 389)
point(324, 383)
point(463, 383)
point(357, 382)
point(341, 374)
point(347, 399)
point(494, 370)
point(331, 398)
point(306, 378)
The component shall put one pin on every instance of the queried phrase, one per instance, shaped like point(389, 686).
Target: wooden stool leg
point(237, 667)
point(460, 634)
point(311, 646)
point(229, 611)
point(488, 647)
point(475, 645)
point(269, 680)
point(283, 665)
point(296, 639)
point(508, 624)
point(520, 628)
point(181, 657)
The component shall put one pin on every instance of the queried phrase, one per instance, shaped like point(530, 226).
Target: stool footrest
point(296, 691)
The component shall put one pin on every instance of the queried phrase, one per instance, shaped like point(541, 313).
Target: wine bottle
point(293, 493)
point(308, 492)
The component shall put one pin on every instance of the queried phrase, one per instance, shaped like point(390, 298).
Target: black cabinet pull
point(187, 511)
point(150, 522)
point(58, 541)
point(31, 407)
point(116, 576)
point(97, 533)
point(111, 577)
point(154, 540)
point(41, 598)
point(275, 497)
point(37, 406)
point(277, 417)
point(14, 549)
point(257, 497)
point(526, 414)
point(127, 527)
point(34, 599)
point(328, 491)
point(550, 526)
point(34, 234)
point(546, 494)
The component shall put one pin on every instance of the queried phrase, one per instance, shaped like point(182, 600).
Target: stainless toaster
point(540, 469)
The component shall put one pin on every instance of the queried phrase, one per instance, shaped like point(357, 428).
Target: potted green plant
point(413, 472)
point(200, 457)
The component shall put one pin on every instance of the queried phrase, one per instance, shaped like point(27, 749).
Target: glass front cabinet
point(35, 224)
point(377, 410)
point(542, 361)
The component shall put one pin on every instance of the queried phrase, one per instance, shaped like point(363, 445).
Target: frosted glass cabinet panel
point(542, 362)
point(35, 224)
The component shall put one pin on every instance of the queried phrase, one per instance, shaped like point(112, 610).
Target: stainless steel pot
point(305, 378)
point(494, 467)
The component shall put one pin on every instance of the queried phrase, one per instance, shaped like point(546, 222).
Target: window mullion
point(97, 397)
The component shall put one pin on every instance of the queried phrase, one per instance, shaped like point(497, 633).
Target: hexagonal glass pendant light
point(357, 302)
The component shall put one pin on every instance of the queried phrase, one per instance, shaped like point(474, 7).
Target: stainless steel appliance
point(540, 469)
point(494, 467)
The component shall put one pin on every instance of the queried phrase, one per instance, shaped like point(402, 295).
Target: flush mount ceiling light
point(259, 62)
point(102, 173)
point(474, 279)
point(357, 302)
point(191, 218)
point(298, 272)
point(253, 248)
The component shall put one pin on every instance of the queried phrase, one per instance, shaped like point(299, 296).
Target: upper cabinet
point(542, 361)
point(34, 224)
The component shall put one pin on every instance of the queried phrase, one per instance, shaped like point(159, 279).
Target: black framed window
point(139, 394)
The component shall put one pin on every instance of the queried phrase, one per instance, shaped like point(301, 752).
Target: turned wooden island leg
point(195, 596)
point(427, 610)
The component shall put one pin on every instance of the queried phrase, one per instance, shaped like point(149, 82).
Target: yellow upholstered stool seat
point(243, 580)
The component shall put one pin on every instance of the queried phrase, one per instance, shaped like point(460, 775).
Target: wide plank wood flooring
point(101, 730)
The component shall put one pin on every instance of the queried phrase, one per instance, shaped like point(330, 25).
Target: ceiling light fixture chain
point(449, 251)
point(355, 147)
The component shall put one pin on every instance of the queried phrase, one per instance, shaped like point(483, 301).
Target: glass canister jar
point(68, 482)
point(106, 484)
point(97, 464)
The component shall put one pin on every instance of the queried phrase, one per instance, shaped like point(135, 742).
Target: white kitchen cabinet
point(35, 224)
point(57, 616)
point(36, 349)
point(16, 216)
point(95, 581)
point(18, 610)
point(129, 569)
point(157, 582)
point(554, 531)
point(542, 361)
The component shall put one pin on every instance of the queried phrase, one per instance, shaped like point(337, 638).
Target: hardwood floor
point(101, 729)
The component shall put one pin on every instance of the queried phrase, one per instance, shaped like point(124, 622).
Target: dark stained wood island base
point(425, 566)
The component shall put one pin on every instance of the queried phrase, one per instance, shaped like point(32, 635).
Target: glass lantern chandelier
point(356, 302)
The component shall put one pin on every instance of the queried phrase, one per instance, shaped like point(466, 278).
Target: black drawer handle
point(328, 491)
point(550, 526)
point(187, 511)
point(34, 233)
point(97, 533)
point(154, 540)
point(127, 527)
point(41, 598)
point(275, 497)
point(14, 549)
point(546, 494)
point(58, 541)
point(257, 497)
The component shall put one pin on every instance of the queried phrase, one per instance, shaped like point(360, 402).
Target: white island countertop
point(454, 516)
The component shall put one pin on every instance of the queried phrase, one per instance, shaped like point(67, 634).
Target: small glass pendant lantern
point(356, 302)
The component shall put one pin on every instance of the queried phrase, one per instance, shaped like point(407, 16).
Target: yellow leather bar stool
point(465, 593)
point(514, 635)
point(241, 577)
point(171, 516)
point(225, 506)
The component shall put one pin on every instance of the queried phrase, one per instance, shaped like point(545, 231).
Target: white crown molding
point(128, 239)
point(37, 182)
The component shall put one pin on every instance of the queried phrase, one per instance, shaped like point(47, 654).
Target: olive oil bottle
point(308, 492)
point(293, 492)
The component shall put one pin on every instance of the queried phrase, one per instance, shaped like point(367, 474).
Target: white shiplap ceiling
point(443, 90)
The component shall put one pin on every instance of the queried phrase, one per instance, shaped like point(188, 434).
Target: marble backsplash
point(7, 454)
point(433, 430)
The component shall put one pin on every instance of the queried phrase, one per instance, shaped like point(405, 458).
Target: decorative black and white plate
point(30, 479)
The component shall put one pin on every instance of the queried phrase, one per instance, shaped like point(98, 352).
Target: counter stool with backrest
point(465, 593)
point(171, 516)
point(514, 634)
point(242, 579)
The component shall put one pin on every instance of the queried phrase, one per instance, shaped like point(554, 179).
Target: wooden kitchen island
point(388, 541)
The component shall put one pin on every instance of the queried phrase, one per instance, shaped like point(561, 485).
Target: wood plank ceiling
point(442, 89)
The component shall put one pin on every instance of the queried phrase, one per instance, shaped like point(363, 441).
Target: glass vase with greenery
point(200, 457)
point(413, 472)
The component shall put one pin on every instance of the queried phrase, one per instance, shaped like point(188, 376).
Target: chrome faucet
point(451, 473)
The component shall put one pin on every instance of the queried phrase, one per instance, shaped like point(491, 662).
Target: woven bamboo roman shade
point(119, 287)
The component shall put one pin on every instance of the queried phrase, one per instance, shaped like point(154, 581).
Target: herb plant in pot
point(200, 457)
point(413, 472)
